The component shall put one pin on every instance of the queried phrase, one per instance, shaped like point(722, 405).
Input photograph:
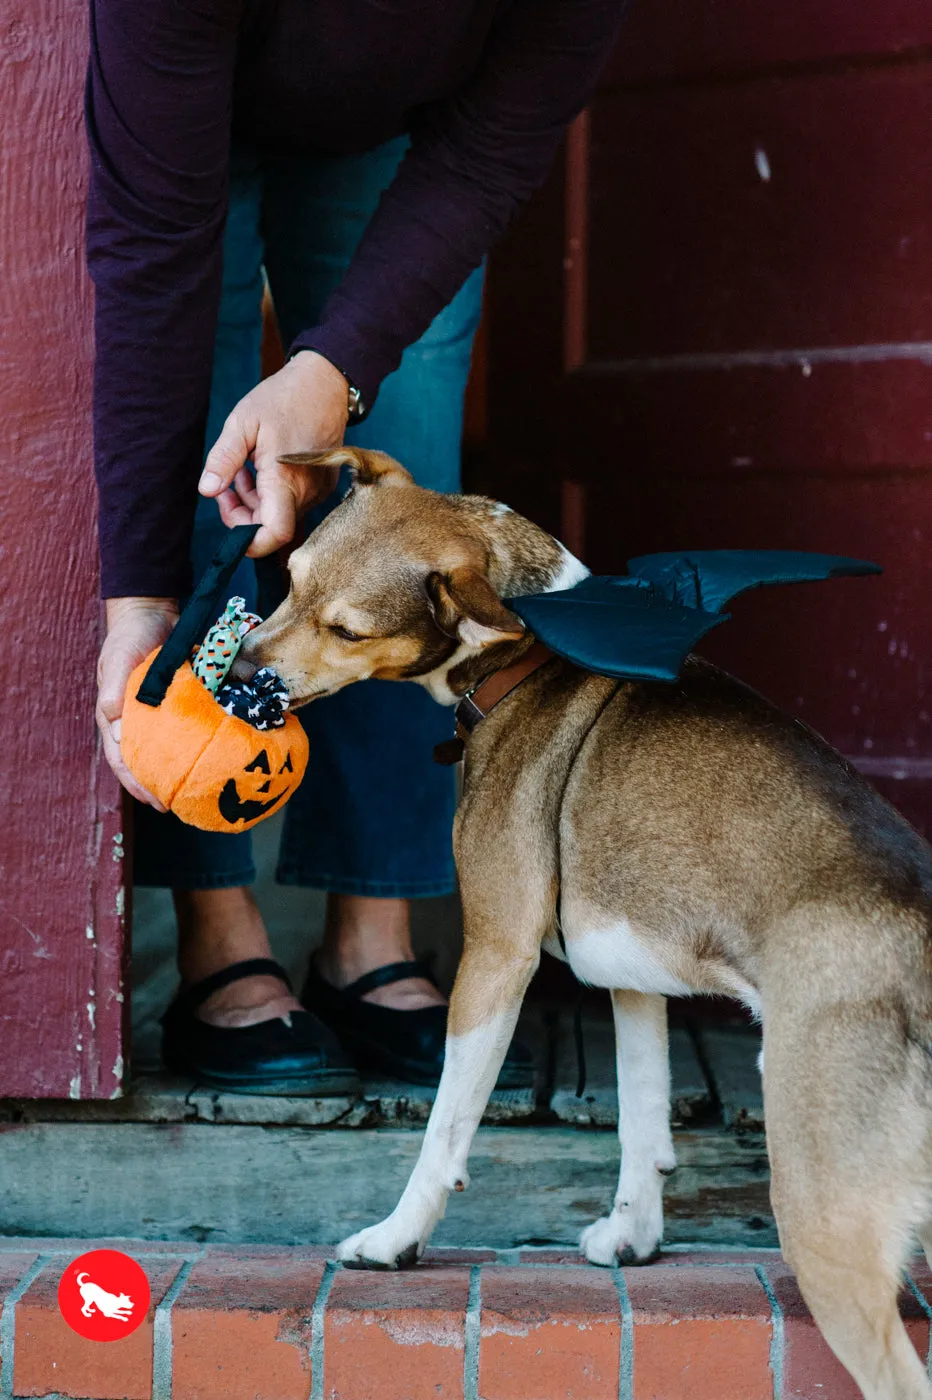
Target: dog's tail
point(81, 1279)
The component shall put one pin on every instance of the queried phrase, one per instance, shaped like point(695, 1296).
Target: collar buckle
point(482, 699)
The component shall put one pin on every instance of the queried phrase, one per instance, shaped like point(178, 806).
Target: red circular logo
point(103, 1295)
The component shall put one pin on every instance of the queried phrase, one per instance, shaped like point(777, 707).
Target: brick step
point(273, 1323)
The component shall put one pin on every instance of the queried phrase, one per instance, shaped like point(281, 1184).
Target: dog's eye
point(345, 633)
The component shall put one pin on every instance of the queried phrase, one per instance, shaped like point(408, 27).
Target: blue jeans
point(374, 814)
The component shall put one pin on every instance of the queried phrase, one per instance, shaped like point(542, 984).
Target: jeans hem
point(199, 880)
point(376, 889)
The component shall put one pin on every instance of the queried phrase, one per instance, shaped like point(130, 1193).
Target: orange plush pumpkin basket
point(212, 769)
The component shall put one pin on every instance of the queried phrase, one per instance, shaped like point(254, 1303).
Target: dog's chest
point(618, 957)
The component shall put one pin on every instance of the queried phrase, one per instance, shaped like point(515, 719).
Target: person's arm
point(158, 113)
point(473, 159)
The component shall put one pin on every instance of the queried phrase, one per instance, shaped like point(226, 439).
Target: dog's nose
point(247, 660)
point(243, 669)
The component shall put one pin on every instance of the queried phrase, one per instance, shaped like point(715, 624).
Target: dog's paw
point(379, 1247)
point(611, 1241)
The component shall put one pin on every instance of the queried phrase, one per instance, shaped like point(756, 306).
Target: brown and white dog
point(685, 838)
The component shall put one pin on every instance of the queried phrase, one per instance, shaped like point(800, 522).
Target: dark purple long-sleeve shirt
point(485, 88)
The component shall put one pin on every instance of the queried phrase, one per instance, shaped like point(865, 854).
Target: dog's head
point(401, 583)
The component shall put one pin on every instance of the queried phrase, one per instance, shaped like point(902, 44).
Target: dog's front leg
point(488, 980)
point(633, 1231)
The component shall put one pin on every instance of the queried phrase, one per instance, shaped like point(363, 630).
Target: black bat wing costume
point(643, 624)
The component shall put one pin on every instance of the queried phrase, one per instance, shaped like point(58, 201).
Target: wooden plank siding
point(62, 908)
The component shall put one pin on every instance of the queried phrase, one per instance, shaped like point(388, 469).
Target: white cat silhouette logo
point(117, 1306)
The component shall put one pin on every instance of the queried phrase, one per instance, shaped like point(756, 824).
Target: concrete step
point(230, 1183)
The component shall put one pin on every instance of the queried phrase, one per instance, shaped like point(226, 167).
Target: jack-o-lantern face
point(211, 769)
point(234, 808)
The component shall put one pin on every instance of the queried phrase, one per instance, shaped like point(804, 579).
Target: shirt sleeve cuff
point(118, 584)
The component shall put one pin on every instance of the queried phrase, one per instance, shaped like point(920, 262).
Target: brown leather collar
point(478, 703)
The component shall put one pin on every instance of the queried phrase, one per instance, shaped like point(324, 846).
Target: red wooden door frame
point(713, 328)
point(63, 918)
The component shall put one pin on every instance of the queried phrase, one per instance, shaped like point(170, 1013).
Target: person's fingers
point(284, 493)
point(232, 510)
point(264, 543)
point(245, 488)
point(113, 671)
point(131, 637)
point(276, 511)
point(238, 503)
point(228, 455)
point(110, 737)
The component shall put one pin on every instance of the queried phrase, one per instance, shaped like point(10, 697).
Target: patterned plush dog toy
point(261, 702)
point(218, 650)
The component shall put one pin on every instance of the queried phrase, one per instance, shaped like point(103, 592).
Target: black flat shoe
point(406, 1045)
point(295, 1055)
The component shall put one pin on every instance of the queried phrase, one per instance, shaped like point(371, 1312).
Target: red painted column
point(62, 923)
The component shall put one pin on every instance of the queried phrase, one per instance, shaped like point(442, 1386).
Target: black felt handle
point(200, 612)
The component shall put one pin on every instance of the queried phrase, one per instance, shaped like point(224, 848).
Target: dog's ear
point(466, 606)
point(368, 468)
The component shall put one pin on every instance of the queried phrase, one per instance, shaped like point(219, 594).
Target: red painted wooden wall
point(61, 868)
point(714, 328)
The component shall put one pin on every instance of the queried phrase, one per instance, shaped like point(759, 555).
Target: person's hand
point(135, 626)
point(302, 408)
